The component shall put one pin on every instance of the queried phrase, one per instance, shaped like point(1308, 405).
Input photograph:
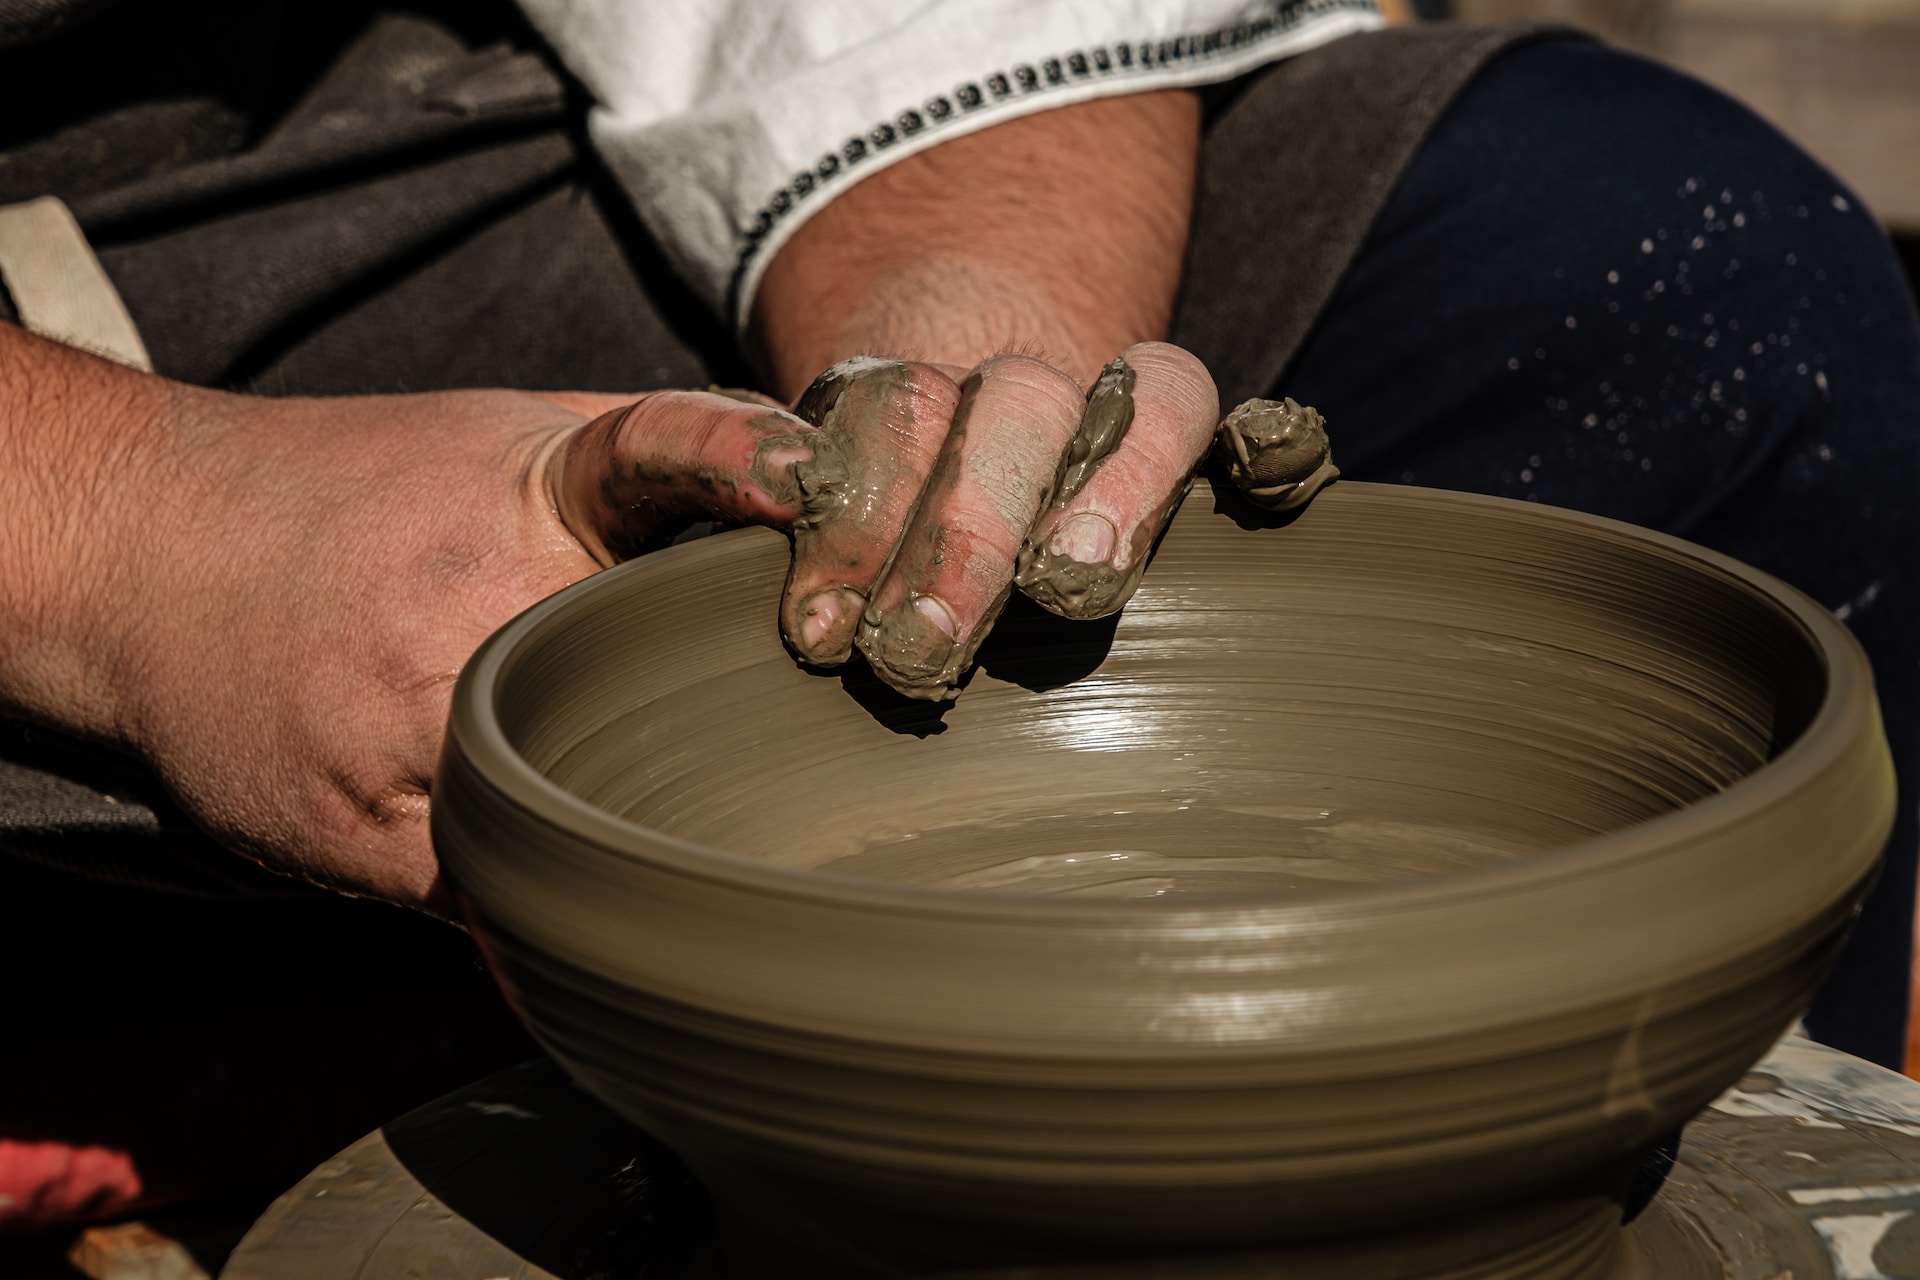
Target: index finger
point(1149, 420)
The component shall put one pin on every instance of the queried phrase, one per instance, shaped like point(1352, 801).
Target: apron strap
point(58, 286)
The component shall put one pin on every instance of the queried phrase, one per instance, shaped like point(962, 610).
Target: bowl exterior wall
point(1154, 1075)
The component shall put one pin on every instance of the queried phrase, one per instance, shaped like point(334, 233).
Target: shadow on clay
point(1228, 501)
point(893, 710)
point(1039, 650)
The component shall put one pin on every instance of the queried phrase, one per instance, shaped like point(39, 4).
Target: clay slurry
point(1284, 712)
point(1166, 847)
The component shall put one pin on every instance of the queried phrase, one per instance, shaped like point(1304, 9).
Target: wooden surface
point(1809, 1168)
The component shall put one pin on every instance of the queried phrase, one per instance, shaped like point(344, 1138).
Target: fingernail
point(935, 611)
point(1087, 537)
point(826, 618)
point(787, 455)
point(913, 649)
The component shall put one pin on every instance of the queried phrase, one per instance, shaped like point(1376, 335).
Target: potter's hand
point(941, 497)
point(1058, 236)
point(268, 600)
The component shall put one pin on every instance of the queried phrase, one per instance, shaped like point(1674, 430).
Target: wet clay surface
point(1279, 732)
point(1401, 871)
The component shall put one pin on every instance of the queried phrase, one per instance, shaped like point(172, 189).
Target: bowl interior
point(1399, 683)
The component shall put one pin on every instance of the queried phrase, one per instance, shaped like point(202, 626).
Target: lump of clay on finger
point(1069, 587)
point(1061, 583)
point(914, 656)
point(1103, 425)
point(846, 404)
point(1057, 581)
point(1276, 452)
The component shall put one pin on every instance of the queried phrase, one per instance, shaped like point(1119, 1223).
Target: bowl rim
point(1848, 708)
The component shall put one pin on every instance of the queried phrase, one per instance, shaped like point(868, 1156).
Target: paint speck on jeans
point(1572, 323)
point(1739, 219)
point(1820, 381)
point(1613, 277)
point(1840, 203)
point(1646, 246)
point(1862, 601)
point(1513, 362)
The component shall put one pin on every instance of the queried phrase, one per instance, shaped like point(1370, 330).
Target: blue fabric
point(1606, 286)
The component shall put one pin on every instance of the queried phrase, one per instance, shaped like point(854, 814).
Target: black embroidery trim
point(1080, 66)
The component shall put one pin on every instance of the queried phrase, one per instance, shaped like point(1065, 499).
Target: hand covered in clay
point(927, 500)
point(1006, 269)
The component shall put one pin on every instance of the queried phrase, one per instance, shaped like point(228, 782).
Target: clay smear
point(853, 485)
point(1068, 586)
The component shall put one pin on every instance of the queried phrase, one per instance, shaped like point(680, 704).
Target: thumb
point(633, 477)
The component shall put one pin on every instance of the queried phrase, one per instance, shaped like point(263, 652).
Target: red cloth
point(49, 1184)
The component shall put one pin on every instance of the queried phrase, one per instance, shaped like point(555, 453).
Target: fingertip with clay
point(627, 481)
point(952, 571)
point(824, 624)
point(1147, 422)
point(1277, 452)
point(880, 425)
point(916, 649)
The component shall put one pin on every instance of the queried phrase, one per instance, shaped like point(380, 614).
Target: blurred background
point(1841, 77)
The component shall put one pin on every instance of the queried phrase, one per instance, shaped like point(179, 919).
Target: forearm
point(1060, 235)
point(81, 439)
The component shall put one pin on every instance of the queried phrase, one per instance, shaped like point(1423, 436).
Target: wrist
point(1060, 235)
point(86, 461)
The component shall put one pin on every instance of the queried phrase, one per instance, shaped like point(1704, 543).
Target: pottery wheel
point(1809, 1168)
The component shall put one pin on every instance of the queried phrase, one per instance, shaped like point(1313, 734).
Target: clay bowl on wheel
point(1372, 897)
